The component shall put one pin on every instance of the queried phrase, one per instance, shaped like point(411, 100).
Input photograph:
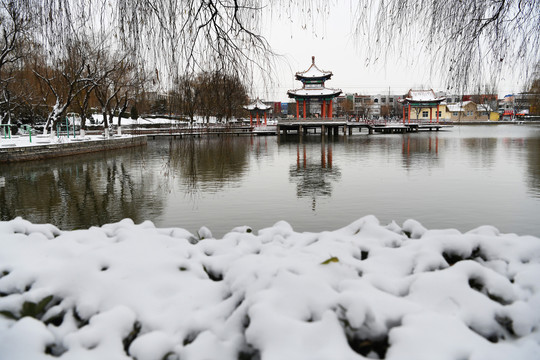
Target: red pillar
point(265, 118)
point(330, 109)
point(322, 110)
point(304, 109)
point(297, 110)
point(409, 113)
point(437, 113)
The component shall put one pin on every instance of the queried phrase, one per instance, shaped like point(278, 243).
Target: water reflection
point(493, 172)
point(71, 192)
point(481, 151)
point(420, 151)
point(533, 166)
point(314, 175)
point(207, 163)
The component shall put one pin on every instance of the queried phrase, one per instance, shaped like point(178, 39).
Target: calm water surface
point(461, 178)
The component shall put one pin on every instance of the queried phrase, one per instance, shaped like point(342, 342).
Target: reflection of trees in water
point(533, 165)
point(83, 191)
point(314, 176)
point(420, 151)
point(210, 162)
point(481, 150)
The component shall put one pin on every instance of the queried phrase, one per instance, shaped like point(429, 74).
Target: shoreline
point(18, 148)
point(10, 151)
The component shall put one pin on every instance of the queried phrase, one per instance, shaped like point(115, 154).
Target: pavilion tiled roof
point(313, 72)
point(420, 96)
point(257, 105)
point(315, 92)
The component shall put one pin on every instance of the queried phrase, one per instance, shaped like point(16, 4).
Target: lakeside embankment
point(24, 148)
point(20, 149)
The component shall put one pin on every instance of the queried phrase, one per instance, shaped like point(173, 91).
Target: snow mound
point(134, 291)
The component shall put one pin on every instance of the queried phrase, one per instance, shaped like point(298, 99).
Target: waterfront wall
point(25, 153)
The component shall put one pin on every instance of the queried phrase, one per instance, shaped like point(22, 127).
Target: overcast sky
point(329, 38)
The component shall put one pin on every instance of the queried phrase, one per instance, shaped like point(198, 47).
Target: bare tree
point(173, 37)
point(14, 25)
point(112, 86)
point(187, 97)
point(470, 42)
point(64, 79)
point(534, 91)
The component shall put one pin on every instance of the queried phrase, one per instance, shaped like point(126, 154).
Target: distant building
point(470, 111)
point(516, 105)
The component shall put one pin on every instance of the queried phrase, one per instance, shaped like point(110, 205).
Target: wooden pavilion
point(420, 100)
point(259, 109)
point(314, 90)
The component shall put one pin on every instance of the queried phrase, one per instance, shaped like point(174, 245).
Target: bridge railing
point(312, 120)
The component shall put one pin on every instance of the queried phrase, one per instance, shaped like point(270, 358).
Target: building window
point(440, 113)
point(376, 101)
point(391, 100)
point(424, 114)
point(454, 113)
point(383, 100)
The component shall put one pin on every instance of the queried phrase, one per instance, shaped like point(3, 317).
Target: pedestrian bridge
point(333, 125)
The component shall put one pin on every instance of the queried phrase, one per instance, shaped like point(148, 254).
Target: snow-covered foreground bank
point(126, 291)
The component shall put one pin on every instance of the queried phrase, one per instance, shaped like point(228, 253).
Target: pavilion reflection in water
point(314, 176)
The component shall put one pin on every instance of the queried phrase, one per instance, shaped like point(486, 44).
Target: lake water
point(461, 178)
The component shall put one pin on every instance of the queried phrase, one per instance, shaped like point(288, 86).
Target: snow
point(257, 104)
point(141, 121)
point(43, 140)
point(313, 71)
point(315, 92)
point(126, 291)
point(423, 95)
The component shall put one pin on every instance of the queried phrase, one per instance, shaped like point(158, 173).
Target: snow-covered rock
point(134, 291)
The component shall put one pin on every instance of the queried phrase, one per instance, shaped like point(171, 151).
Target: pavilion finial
point(313, 60)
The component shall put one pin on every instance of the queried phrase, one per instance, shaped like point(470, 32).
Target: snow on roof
point(257, 104)
point(454, 107)
point(314, 92)
point(136, 291)
point(313, 71)
point(460, 106)
point(423, 96)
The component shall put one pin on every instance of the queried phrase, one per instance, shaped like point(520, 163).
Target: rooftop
point(313, 72)
point(257, 104)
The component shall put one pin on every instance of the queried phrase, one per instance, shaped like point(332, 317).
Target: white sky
point(335, 49)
